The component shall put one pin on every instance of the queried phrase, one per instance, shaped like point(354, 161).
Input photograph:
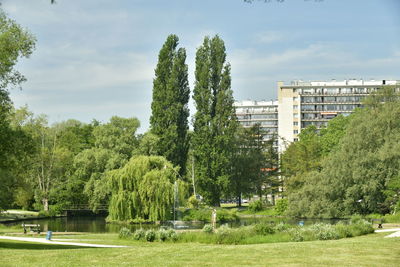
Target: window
point(295, 106)
point(295, 115)
point(295, 123)
point(296, 131)
point(295, 139)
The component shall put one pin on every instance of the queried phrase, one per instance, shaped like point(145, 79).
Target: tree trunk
point(45, 202)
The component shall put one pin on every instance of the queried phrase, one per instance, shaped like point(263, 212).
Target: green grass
point(11, 215)
point(370, 250)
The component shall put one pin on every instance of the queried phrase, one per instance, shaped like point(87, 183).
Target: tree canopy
point(215, 122)
point(361, 175)
point(170, 112)
point(142, 190)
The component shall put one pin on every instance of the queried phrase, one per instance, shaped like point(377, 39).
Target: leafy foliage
point(142, 189)
point(256, 206)
point(170, 112)
point(215, 122)
point(361, 175)
point(15, 42)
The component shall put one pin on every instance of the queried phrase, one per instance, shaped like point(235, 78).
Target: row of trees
point(227, 160)
point(352, 166)
point(52, 167)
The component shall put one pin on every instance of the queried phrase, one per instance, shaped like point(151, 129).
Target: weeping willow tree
point(143, 190)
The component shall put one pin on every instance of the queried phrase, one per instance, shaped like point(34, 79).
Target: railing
point(86, 207)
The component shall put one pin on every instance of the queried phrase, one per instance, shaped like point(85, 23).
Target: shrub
point(139, 234)
point(256, 206)
point(224, 215)
point(361, 227)
point(355, 219)
point(208, 229)
point(172, 235)
point(264, 229)
point(226, 235)
point(150, 235)
point(296, 234)
point(343, 230)
point(193, 202)
point(393, 218)
point(280, 227)
point(323, 231)
point(204, 215)
point(162, 235)
point(281, 206)
point(124, 233)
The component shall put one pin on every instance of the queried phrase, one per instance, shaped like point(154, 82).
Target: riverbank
point(10, 216)
point(18, 215)
point(369, 250)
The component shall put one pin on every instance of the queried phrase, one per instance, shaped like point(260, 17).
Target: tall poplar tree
point(215, 122)
point(170, 112)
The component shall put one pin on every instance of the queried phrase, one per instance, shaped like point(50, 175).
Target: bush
point(355, 219)
point(361, 227)
point(281, 206)
point(323, 231)
point(393, 218)
point(264, 229)
point(150, 235)
point(139, 234)
point(193, 202)
point(124, 233)
point(208, 229)
point(256, 206)
point(280, 227)
point(204, 215)
point(162, 235)
point(343, 230)
point(296, 234)
point(226, 235)
point(172, 235)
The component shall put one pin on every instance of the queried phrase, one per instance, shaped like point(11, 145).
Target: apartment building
point(314, 103)
point(264, 113)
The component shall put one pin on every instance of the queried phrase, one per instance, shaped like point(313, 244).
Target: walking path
point(43, 240)
point(395, 230)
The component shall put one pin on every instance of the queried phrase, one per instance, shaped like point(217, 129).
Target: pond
point(97, 224)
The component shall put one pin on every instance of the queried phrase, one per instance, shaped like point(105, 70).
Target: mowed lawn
point(371, 250)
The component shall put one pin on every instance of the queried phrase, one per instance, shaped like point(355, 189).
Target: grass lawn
point(370, 250)
point(11, 215)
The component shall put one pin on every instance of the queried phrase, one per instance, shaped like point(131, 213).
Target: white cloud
point(269, 37)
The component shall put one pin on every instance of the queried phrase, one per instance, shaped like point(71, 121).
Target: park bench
point(378, 222)
point(31, 227)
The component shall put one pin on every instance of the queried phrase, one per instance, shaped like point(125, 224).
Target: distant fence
point(85, 207)
point(85, 210)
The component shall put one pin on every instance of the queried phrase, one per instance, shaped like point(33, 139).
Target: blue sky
point(96, 58)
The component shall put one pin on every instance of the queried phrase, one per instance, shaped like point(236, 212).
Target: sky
point(96, 58)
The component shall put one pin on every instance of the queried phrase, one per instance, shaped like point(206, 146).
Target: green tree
point(110, 146)
point(15, 42)
point(119, 135)
point(148, 144)
point(142, 189)
point(361, 175)
point(169, 118)
point(215, 122)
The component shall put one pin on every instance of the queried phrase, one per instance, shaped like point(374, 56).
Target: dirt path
point(43, 240)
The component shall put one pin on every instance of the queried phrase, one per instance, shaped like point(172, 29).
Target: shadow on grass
point(33, 246)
